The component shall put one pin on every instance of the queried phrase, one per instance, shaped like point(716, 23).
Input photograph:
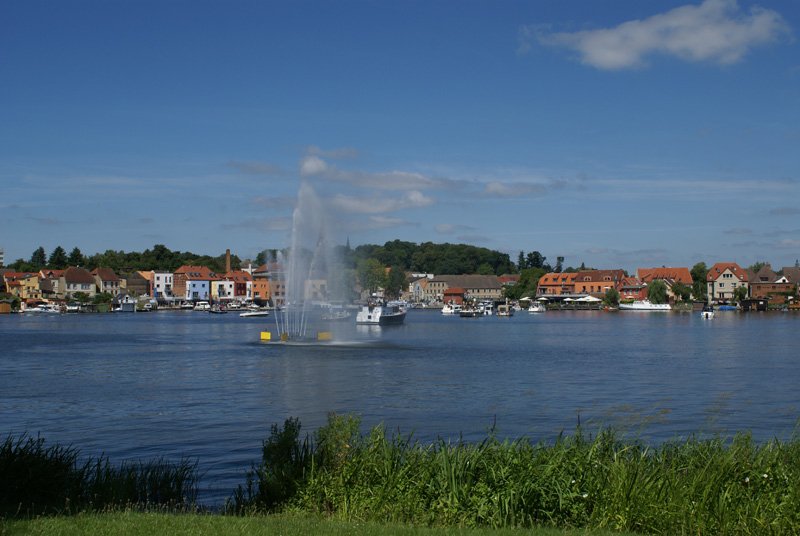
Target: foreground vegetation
point(344, 478)
point(145, 524)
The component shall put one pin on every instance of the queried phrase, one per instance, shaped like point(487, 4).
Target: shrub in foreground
point(39, 479)
point(708, 486)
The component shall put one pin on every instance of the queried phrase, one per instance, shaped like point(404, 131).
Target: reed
point(709, 486)
point(40, 479)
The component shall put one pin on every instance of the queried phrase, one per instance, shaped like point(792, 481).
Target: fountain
point(309, 274)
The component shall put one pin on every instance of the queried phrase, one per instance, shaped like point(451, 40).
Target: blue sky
point(619, 134)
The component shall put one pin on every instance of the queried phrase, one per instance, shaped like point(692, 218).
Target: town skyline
point(624, 135)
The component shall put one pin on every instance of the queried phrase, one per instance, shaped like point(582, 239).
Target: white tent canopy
point(589, 299)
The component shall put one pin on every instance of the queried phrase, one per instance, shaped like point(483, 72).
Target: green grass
point(343, 480)
point(133, 524)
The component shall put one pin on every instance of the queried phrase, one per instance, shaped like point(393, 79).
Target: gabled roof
point(55, 274)
point(470, 281)
point(599, 276)
point(239, 276)
point(73, 275)
point(679, 275)
point(764, 275)
point(197, 273)
point(558, 278)
point(792, 273)
point(105, 274)
point(719, 268)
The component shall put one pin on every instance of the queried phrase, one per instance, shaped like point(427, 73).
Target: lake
point(190, 384)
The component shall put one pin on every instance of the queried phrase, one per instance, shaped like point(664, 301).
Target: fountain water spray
point(308, 269)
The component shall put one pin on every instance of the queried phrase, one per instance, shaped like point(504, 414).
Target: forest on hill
point(427, 257)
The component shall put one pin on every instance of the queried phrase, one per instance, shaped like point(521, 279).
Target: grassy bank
point(346, 480)
point(133, 524)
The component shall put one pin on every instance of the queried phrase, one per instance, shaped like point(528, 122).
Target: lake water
point(175, 384)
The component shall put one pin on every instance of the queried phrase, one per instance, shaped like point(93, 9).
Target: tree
point(371, 275)
point(521, 264)
point(739, 294)
point(39, 258)
point(681, 291)
point(535, 259)
point(559, 264)
point(657, 291)
point(261, 258)
point(757, 266)
point(58, 259)
point(699, 288)
point(396, 282)
point(76, 258)
point(611, 298)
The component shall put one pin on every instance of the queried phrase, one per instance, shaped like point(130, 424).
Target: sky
point(617, 134)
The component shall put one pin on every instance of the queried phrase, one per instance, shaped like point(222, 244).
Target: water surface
point(174, 384)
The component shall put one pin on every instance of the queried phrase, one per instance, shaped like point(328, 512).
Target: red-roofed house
point(723, 279)
point(556, 283)
point(107, 281)
point(193, 282)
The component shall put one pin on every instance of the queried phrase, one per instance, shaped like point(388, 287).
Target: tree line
point(158, 258)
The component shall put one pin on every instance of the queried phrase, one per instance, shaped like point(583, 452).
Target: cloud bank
point(716, 31)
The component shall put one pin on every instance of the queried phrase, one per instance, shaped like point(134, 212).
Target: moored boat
point(375, 313)
point(644, 305)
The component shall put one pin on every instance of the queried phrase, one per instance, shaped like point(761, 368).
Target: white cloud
point(715, 30)
point(449, 228)
point(380, 205)
point(340, 153)
point(312, 165)
point(383, 222)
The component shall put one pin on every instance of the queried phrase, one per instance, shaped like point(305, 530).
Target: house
point(75, 280)
point(556, 283)
point(479, 287)
point(416, 289)
point(261, 285)
point(670, 277)
point(454, 295)
point(162, 285)
point(597, 282)
point(631, 288)
point(107, 281)
point(193, 282)
point(722, 281)
point(124, 303)
point(767, 285)
point(139, 283)
point(23, 285)
point(51, 283)
point(241, 285)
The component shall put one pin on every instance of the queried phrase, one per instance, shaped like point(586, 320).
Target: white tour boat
point(644, 305)
point(381, 314)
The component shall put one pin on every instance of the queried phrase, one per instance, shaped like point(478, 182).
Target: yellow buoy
point(324, 335)
point(266, 336)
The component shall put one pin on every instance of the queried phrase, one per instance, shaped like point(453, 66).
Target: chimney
point(227, 261)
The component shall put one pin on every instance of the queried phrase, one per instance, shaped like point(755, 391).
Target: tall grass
point(38, 479)
point(709, 486)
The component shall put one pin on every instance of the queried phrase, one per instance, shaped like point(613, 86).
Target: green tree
point(699, 288)
point(76, 258)
point(657, 291)
point(261, 258)
point(81, 297)
point(739, 294)
point(39, 258)
point(681, 291)
point(102, 297)
point(58, 259)
point(371, 275)
point(611, 298)
point(535, 260)
point(396, 282)
point(521, 264)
